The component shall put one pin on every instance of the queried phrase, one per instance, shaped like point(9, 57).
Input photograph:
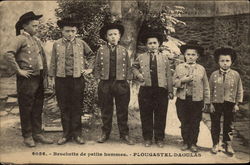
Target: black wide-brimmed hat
point(68, 21)
point(29, 16)
point(192, 45)
point(225, 51)
point(105, 28)
point(146, 35)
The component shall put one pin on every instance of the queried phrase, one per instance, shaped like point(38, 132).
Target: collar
point(190, 65)
point(67, 41)
point(153, 53)
point(26, 34)
point(224, 71)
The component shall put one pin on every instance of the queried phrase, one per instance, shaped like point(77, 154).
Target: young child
point(193, 94)
point(113, 68)
point(152, 69)
point(226, 93)
point(68, 67)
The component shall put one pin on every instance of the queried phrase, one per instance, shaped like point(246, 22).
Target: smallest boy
point(68, 67)
point(226, 92)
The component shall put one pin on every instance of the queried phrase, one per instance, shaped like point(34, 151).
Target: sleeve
point(90, 55)
point(136, 67)
point(206, 89)
point(239, 93)
point(129, 71)
point(169, 76)
point(53, 66)
point(176, 78)
point(97, 68)
point(12, 51)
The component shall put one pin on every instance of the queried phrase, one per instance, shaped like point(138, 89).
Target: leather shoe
point(79, 140)
point(215, 149)
point(62, 140)
point(147, 143)
point(184, 147)
point(29, 142)
point(194, 148)
point(127, 140)
point(40, 138)
point(229, 149)
point(160, 144)
point(103, 138)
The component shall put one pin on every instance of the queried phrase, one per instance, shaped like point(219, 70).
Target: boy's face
point(225, 61)
point(69, 32)
point(113, 36)
point(152, 44)
point(191, 55)
point(31, 27)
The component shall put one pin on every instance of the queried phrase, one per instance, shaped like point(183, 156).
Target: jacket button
point(101, 47)
point(102, 63)
point(102, 68)
point(124, 59)
point(30, 65)
point(30, 59)
point(123, 69)
point(123, 75)
point(82, 57)
point(101, 58)
point(141, 66)
point(123, 64)
point(57, 53)
point(124, 54)
point(28, 46)
point(29, 52)
point(101, 53)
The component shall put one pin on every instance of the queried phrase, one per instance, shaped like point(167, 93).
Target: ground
point(13, 149)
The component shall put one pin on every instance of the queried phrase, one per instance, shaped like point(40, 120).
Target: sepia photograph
point(124, 81)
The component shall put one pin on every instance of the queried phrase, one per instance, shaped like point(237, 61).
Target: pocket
point(122, 87)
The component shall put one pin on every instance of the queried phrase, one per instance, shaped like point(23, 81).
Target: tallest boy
point(26, 56)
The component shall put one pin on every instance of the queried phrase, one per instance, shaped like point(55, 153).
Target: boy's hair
point(226, 52)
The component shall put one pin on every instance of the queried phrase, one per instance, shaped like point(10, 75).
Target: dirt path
point(13, 150)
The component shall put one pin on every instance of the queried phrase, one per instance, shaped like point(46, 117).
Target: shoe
point(103, 138)
point(184, 147)
point(29, 142)
point(127, 140)
point(160, 144)
point(62, 140)
point(229, 148)
point(79, 140)
point(147, 143)
point(40, 138)
point(194, 148)
point(215, 149)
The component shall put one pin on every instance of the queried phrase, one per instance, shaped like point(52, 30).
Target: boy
point(193, 94)
point(113, 68)
point(152, 69)
point(68, 67)
point(226, 94)
point(27, 58)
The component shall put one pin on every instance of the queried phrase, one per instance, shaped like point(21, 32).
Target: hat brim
point(199, 49)
point(145, 36)
point(225, 51)
point(63, 23)
point(20, 22)
point(105, 28)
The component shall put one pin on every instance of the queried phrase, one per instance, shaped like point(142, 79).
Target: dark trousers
point(153, 104)
point(190, 114)
point(30, 99)
point(108, 90)
point(69, 94)
point(225, 109)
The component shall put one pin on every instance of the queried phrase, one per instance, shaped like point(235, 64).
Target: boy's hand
point(236, 108)
point(170, 95)
point(140, 77)
point(87, 71)
point(186, 79)
point(212, 109)
point(24, 73)
point(51, 82)
point(205, 108)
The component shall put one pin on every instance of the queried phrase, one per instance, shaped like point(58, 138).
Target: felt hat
point(225, 51)
point(105, 28)
point(146, 35)
point(29, 16)
point(68, 22)
point(192, 45)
